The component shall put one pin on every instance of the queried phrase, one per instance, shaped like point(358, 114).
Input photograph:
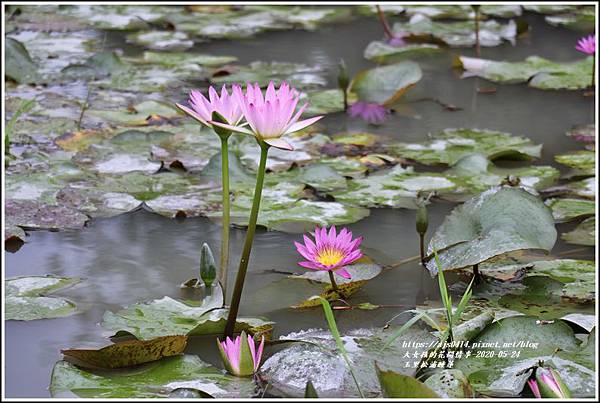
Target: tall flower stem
point(334, 285)
point(477, 45)
point(226, 212)
point(386, 26)
point(593, 69)
point(241, 274)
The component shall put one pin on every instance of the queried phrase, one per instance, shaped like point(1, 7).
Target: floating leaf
point(26, 298)
point(382, 52)
point(526, 342)
point(154, 380)
point(385, 85)
point(537, 71)
point(128, 353)
point(296, 75)
point(581, 19)
point(33, 215)
point(569, 209)
point(450, 384)
point(448, 146)
point(583, 234)
point(498, 221)
point(139, 114)
point(174, 59)
point(324, 101)
point(161, 40)
point(583, 162)
point(402, 386)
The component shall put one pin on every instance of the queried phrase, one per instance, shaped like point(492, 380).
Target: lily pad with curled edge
point(27, 297)
point(460, 33)
point(585, 188)
point(397, 188)
point(283, 209)
point(167, 316)
point(127, 353)
point(318, 360)
point(582, 162)
point(385, 85)
point(296, 75)
point(20, 67)
point(382, 52)
point(307, 147)
point(525, 341)
point(582, 19)
point(448, 146)
point(536, 71)
point(583, 234)
point(565, 210)
point(498, 221)
point(13, 232)
point(161, 40)
point(30, 214)
point(159, 379)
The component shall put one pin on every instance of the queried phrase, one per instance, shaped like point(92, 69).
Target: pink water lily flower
point(587, 45)
point(330, 251)
point(270, 116)
point(240, 356)
point(372, 113)
point(202, 108)
point(534, 388)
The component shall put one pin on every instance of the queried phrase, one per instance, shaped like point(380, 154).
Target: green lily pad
point(450, 384)
point(526, 342)
point(460, 33)
point(569, 209)
point(382, 52)
point(174, 59)
point(385, 85)
point(297, 75)
point(288, 370)
point(139, 114)
point(402, 386)
point(585, 188)
point(158, 379)
point(161, 40)
point(583, 162)
point(26, 298)
point(549, 8)
point(582, 19)
point(322, 102)
point(19, 65)
point(463, 12)
point(34, 215)
point(321, 177)
point(583, 234)
point(536, 71)
point(117, 17)
point(448, 146)
point(167, 316)
point(128, 353)
point(498, 221)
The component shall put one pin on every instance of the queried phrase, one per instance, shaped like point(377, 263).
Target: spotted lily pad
point(527, 342)
point(385, 85)
point(127, 353)
point(448, 146)
point(382, 52)
point(462, 33)
point(536, 71)
point(582, 162)
point(26, 297)
point(568, 209)
point(583, 234)
point(288, 370)
point(159, 379)
point(498, 221)
point(167, 316)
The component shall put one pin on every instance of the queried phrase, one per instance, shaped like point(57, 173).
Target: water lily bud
point(422, 220)
point(550, 384)
point(343, 79)
point(240, 356)
point(208, 268)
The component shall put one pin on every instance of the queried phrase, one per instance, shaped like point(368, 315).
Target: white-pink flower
point(240, 356)
point(270, 116)
point(202, 108)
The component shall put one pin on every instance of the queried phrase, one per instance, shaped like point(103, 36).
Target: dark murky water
point(142, 256)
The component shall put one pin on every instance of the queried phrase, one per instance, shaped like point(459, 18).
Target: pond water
point(142, 256)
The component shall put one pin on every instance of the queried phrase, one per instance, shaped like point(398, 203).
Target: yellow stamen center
point(329, 257)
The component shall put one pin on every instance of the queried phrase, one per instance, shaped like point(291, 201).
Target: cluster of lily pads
point(94, 133)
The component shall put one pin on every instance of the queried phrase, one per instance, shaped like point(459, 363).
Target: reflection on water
point(142, 256)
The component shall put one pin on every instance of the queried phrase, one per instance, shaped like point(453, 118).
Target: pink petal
point(310, 265)
point(304, 251)
point(302, 124)
point(237, 129)
point(342, 272)
point(259, 354)
point(193, 114)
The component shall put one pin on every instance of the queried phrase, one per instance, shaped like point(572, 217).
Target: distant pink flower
point(534, 388)
point(202, 108)
point(330, 251)
point(272, 116)
point(240, 356)
point(396, 41)
point(587, 45)
point(373, 113)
